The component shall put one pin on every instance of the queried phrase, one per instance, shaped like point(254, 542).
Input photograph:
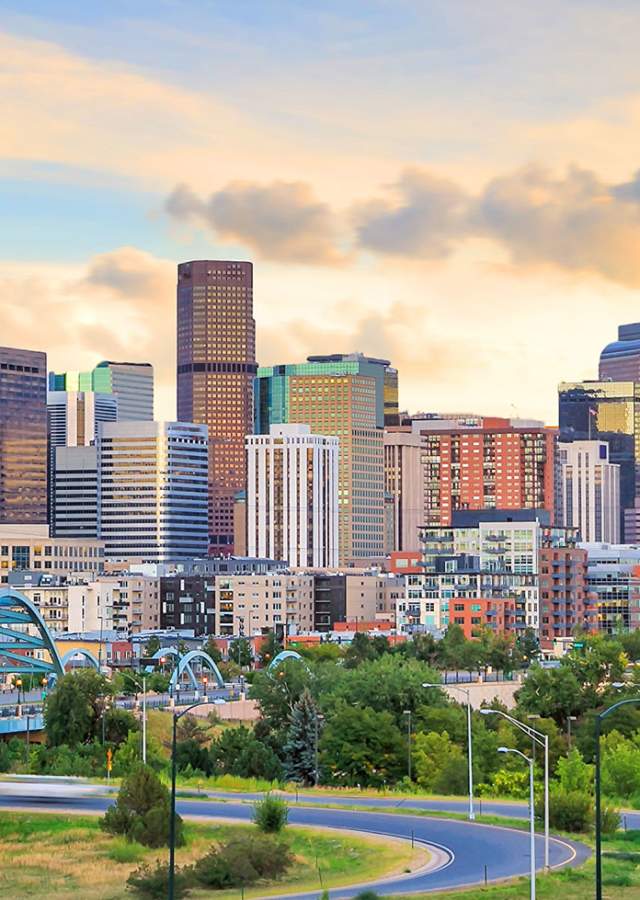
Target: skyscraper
point(620, 360)
point(152, 490)
point(292, 496)
point(404, 479)
point(131, 383)
point(588, 491)
point(73, 416)
point(386, 377)
point(23, 437)
point(344, 399)
point(216, 367)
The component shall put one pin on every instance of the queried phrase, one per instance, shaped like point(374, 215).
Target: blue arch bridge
point(29, 654)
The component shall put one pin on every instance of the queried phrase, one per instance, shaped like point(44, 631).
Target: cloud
point(576, 222)
point(281, 221)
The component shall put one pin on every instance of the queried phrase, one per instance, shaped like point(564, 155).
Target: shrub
point(270, 814)
point(609, 819)
point(142, 810)
point(242, 861)
point(123, 851)
point(570, 810)
point(153, 883)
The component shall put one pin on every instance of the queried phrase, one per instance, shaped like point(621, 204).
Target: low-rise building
point(248, 604)
point(31, 547)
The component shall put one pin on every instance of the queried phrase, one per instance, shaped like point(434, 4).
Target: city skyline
point(386, 211)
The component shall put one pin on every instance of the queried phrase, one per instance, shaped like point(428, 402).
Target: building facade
point(131, 384)
point(74, 496)
point(292, 496)
point(404, 475)
point(620, 360)
point(249, 604)
point(30, 547)
point(345, 400)
point(216, 367)
point(73, 416)
point(588, 491)
point(485, 463)
point(355, 598)
point(386, 377)
point(152, 490)
point(613, 578)
point(187, 602)
point(23, 437)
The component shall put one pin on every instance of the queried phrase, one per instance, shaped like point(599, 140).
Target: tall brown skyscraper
point(23, 437)
point(216, 368)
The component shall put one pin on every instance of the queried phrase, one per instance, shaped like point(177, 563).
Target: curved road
point(467, 846)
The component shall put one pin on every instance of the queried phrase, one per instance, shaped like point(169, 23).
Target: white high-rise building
point(153, 490)
point(73, 416)
point(588, 491)
point(292, 496)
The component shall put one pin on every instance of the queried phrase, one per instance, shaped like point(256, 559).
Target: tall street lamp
point(599, 719)
point(407, 713)
point(467, 693)
point(532, 816)
point(543, 740)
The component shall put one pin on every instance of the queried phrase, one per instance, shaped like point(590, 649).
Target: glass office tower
point(23, 437)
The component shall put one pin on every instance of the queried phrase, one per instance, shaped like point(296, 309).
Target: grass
point(44, 855)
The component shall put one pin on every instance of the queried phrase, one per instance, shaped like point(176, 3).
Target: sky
point(452, 185)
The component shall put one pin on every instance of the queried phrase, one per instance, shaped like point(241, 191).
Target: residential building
point(565, 596)
point(588, 491)
point(405, 562)
point(122, 602)
point(356, 597)
point(606, 411)
point(30, 547)
point(404, 477)
point(74, 506)
point(343, 399)
point(250, 604)
point(130, 383)
point(152, 490)
point(23, 437)
point(477, 463)
point(216, 365)
point(620, 360)
point(188, 602)
point(613, 579)
point(48, 592)
point(292, 496)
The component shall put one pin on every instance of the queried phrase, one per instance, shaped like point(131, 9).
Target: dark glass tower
point(23, 437)
point(216, 368)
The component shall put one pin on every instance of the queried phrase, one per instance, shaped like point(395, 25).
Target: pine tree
point(300, 748)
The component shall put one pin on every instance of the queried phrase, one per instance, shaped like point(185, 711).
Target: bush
point(242, 861)
point(142, 810)
point(153, 883)
point(570, 810)
point(609, 819)
point(270, 814)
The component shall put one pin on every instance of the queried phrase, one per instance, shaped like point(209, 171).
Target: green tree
point(299, 750)
point(269, 648)
point(620, 766)
point(551, 692)
point(325, 651)
point(240, 652)
point(574, 774)
point(361, 649)
point(362, 746)
point(152, 646)
point(118, 724)
point(277, 692)
point(129, 754)
point(270, 814)
point(595, 665)
point(142, 811)
point(439, 764)
point(423, 647)
point(211, 648)
point(73, 709)
point(452, 649)
point(238, 752)
point(528, 646)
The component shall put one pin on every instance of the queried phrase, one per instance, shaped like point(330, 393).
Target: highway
point(464, 848)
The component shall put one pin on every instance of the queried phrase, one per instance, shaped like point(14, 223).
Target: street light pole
point(317, 770)
point(599, 719)
point(407, 713)
point(532, 817)
point(543, 740)
point(467, 693)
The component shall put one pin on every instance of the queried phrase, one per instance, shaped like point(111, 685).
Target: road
point(465, 847)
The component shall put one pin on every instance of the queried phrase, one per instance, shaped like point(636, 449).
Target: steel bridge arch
point(18, 617)
point(284, 655)
point(80, 651)
point(184, 665)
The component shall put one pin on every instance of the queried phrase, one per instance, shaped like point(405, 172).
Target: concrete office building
point(23, 437)
point(588, 491)
point(152, 490)
point(478, 462)
point(620, 360)
point(606, 411)
point(216, 365)
point(344, 399)
point(74, 497)
point(292, 496)
point(404, 477)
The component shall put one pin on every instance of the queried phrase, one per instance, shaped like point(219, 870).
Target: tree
point(359, 650)
point(73, 709)
point(118, 724)
point(299, 750)
point(240, 652)
point(620, 766)
point(599, 662)
point(574, 774)
point(439, 764)
point(211, 649)
point(129, 754)
point(528, 646)
point(189, 729)
point(277, 692)
point(270, 814)
point(142, 811)
point(423, 647)
point(238, 752)
point(325, 651)
point(550, 692)
point(152, 646)
point(452, 648)
point(269, 648)
point(362, 746)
